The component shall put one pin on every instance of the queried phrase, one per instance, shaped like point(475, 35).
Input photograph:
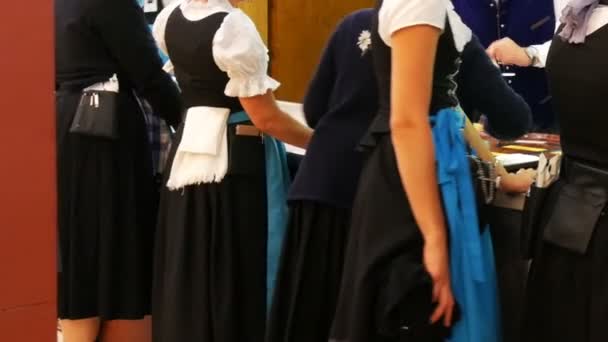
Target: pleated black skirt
point(386, 293)
point(310, 273)
point(210, 259)
point(567, 298)
point(106, 217)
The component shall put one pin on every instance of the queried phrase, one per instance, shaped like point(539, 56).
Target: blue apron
point(472, 265)
point(277, 186)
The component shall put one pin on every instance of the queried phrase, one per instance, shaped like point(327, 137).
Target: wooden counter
point(531, 145)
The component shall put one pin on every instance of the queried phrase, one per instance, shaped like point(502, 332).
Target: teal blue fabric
point(277, 186)
point(472, 265)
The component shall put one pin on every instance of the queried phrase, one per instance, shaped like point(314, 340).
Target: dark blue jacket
point(342, 100)
point(527, 22)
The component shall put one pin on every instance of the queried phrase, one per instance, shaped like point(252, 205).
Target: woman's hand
point(436, 261)
point(519, 182)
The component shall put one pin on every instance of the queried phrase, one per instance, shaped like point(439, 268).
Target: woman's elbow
point(518, 123)
point(406, 124)
point(263, 121)
point(262, 111)
point(522, 118)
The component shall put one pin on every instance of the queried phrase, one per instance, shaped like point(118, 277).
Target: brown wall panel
point(29, 324)
point(27, 171)
point(298, 32)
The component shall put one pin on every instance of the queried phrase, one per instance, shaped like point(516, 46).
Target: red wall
point(27, 172)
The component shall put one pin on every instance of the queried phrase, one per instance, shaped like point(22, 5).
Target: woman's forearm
point(416, 162)
point(287, 129)
point(411, 131)
point(270, 119)
point(474, 140)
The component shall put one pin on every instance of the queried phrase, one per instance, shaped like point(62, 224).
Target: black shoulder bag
point(97, 114)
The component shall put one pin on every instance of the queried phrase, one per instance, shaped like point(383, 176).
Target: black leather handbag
point(97, 114)
point(566, 213)
point(576, 207)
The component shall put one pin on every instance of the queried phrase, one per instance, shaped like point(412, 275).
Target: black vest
point(190, 47)
point(447, 64)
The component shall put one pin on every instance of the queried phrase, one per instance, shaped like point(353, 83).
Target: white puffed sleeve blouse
point(396, 15)
point(238, 48)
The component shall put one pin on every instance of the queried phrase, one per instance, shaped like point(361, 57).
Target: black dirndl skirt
point(106, 216)
point(567, 292)
point(210, 258)
point(386, 293)
point(310, 273)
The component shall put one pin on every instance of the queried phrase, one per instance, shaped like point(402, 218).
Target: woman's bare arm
point(270, 119)
point(413, 57)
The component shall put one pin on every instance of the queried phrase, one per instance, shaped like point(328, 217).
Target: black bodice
point(446, 68)
point(577, 81)
point(190, 47)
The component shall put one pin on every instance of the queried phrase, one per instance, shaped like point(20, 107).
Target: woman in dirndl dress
point(568, 280)
point(223, 207)
point(106, 190)
point(339, 105)
point(401, 282)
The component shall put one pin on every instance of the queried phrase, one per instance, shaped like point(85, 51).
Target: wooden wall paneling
point(298, 32)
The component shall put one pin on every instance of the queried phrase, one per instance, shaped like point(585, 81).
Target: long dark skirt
point(310, 273)
point(386, 293)
point(511, 269)
point(210, 259)
point(568, 293)
point(106, 217)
